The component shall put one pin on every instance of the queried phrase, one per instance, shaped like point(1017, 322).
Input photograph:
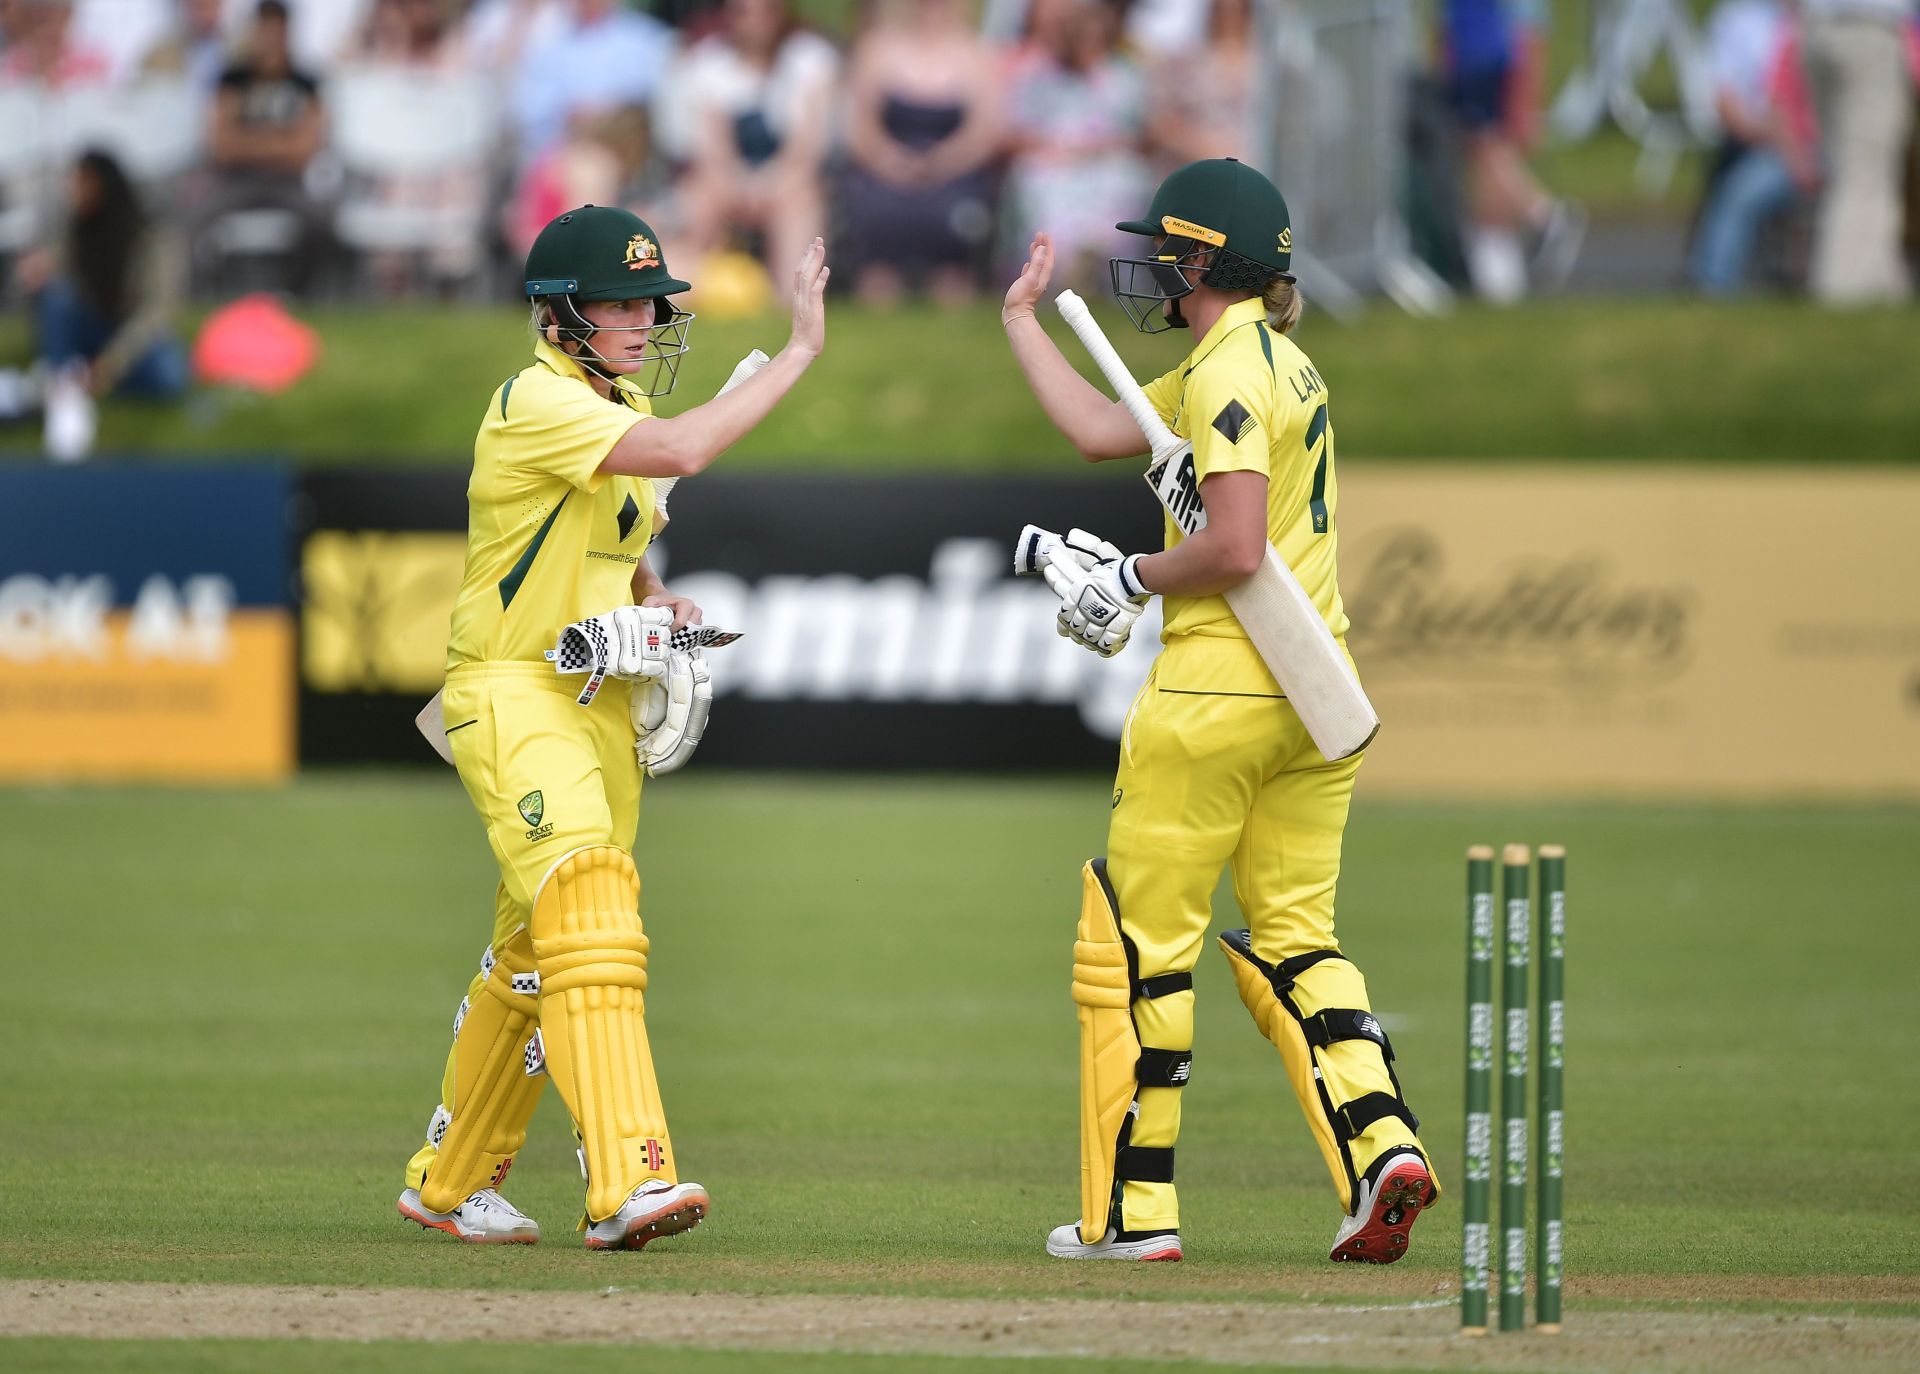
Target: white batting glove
point(630, 642)
point(1100, 593)
point(670, 713)
point(1036, 548)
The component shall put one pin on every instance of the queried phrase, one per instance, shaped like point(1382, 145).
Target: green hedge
point(1637, 380)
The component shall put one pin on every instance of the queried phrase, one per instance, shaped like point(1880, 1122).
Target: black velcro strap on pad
point(1283, 974)
point(1355, 1116)
point(1163, 1068)
point(1334, 1024)
point(1143, 1164)
point(1163, 985)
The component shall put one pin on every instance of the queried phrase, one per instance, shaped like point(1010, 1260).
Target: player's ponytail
point(1284, 304)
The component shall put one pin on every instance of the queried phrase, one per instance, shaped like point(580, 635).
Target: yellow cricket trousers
point(548, 777)
point(1213, 774)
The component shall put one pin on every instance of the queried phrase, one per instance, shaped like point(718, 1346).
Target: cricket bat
point(432, 720)
point(1274, 609)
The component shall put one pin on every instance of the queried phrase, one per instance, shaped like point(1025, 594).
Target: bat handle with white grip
point(1074, 310)
point(742, 370)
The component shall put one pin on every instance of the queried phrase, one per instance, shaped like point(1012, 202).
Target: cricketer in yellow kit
point(1216, 769)
point(561, 510)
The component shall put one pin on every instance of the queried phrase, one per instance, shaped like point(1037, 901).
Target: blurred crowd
point(1814, 175)
point(419, 144)
point(1813, 183)
point(155, 149)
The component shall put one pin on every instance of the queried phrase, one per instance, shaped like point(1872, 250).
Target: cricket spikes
point(1389, 1200)
point(655, 1209)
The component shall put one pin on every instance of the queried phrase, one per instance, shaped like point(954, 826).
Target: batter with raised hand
point(561, 508)
point(1216, 768)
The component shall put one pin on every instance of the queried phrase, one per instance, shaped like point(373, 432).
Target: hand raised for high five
point(809, 301)
point(1023, 297)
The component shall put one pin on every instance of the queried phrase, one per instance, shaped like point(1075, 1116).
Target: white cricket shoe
point(485, 1218)
point(655, 1209)
point(1063, 1242)
point(1389, 1200)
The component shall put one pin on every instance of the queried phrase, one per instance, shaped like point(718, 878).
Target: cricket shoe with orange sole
point(1391, 1197)
point(1064, 1242)
point(654, 1209)
point(485, 1218)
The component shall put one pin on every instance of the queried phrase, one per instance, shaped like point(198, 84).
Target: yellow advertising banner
point(213, 708)
point(1525, 631)
point(1636, 631)
point(146, 625)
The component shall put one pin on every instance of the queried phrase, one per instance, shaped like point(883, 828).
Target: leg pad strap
point(1334, 1024)
point(1352, 1119)
point(1143, 1164)
point(1163, 985)
point(1163, 1068)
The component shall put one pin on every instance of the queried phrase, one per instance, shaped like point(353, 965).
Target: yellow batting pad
point(1336, 1056)
point(491, 1095)
point(1296, 1056)
point(592, 959)
point(1109, 1045)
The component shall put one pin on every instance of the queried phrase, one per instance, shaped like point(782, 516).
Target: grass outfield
point(230, 1033)
point(1606, 380)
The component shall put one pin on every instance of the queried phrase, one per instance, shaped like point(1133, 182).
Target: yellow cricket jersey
point(549, 539)
point(1250, 401)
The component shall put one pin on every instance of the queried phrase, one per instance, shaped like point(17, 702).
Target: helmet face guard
point(1150, 288)
point(665, 343)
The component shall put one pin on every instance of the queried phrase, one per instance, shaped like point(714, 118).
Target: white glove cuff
point(1130, 581)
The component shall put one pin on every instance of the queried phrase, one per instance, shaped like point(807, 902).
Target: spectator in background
point(1863, 95)
point(922, 132)
point(409, 33)
point(494, 33)
point(319, 32)
point(43, 49)
point(1507, 207)
point(417, 37)
point(599, 58)
point(123, 31)
point(602, 160)
point(1078, 115)
point(1168, 28)
point(103, 294)
point(194, 46)
point(1203, 97)
point(758, 91)
point(267, 125)
point(1763, 163)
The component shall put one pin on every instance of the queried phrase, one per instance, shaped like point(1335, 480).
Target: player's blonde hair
point(539, 318)
point(1284, 304)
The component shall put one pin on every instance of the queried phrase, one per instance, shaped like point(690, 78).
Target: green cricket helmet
point(1223, 225)
point(603, 253)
